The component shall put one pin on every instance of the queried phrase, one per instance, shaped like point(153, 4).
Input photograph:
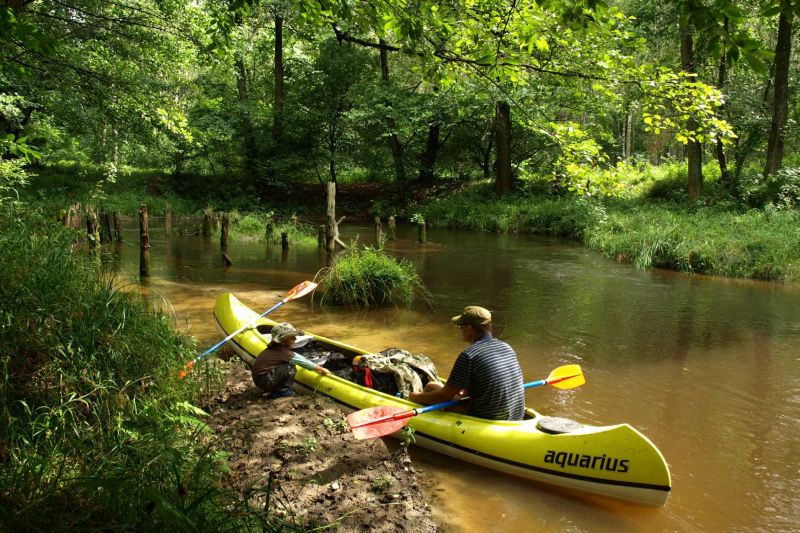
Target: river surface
point(707, 368)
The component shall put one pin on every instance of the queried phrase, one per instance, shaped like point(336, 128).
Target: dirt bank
point(320, 474)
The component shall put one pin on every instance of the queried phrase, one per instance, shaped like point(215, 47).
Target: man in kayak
point(487, 371)
point(273, 370)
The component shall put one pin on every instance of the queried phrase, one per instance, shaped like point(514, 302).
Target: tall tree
point(277, 125)
point(780, 100)
point(394, 141)
point(502, 184)
point(694, 149)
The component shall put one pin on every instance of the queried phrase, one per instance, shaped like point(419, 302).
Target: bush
point(368, 277)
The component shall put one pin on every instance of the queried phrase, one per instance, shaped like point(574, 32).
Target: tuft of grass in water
point(369, 277)
point(96, 432)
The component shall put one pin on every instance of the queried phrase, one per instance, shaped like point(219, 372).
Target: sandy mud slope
point(320, 474)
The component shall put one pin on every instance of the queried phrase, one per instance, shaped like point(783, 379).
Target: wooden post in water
point(223, 240)
point(423, 237)
point(105, 226)
point(117, 227)
point(392, 228)
point(378, 231)
point(92, 229)
point(330, 232)
point(207, 213)
point(223, 233)
point(284, 240)
point(74, 216)
point(144, 242)
point(270, 229)
point(168, 220)
point(321, 236)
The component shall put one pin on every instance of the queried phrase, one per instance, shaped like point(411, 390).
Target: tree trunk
point(502, 126)
point(722, 161)
point(627, 136)
point(277, 126)
point(247, 127)
point(428, 158)
point(694, 150)
point(394, 141)
point(780, 105)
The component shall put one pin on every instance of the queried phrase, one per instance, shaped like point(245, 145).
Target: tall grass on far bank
point(266, 226)
point(369, 277)
point(95, 431)
point(747, 243)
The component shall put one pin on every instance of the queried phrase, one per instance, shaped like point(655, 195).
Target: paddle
point(297, 292)
point(384, 420)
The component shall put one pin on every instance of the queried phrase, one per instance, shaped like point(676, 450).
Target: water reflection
point(706, 368)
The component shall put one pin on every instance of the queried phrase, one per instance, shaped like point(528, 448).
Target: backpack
point(394, 370)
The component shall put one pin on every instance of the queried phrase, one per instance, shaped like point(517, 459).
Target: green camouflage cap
point(283, 331)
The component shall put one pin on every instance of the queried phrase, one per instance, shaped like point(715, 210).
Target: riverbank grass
point(650, 226)
point(96, 431)
point(267, 227)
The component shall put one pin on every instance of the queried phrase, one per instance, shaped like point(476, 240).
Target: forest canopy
point(264, 94)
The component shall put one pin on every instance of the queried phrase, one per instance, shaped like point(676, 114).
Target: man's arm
point(443, 394)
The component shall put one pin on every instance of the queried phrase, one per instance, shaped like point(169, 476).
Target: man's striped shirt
point(490, 372)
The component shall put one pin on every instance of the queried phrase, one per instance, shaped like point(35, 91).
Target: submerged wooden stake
point(92, 229)
point(423, 237)
point(207, 213)
point(117, 227)
point(168, 220)
point(223, 234)
point(144, 242)
point(392, 234)
point(378, 231)
point(105, 226)
point(330, 232)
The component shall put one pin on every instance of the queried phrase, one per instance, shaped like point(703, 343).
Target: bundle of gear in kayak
point(391, 371)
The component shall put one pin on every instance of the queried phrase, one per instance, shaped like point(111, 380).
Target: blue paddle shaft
point(232, 335)
point(452, 403)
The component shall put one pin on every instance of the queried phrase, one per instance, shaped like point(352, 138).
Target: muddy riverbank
point(300, 452)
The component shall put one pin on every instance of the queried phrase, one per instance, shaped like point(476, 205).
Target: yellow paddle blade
point(566, 377)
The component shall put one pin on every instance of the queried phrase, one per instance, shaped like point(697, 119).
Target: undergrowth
point(96, 432)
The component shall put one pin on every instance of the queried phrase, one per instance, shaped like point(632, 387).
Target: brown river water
point(707, 368)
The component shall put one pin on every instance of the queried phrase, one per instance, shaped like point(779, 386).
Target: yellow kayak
point(616, 461)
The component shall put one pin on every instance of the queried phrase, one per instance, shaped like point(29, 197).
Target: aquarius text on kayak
point(592, 462)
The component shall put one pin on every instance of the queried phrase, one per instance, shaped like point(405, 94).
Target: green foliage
point(673, 98)
point(13, 176)
point(269, 227)
point(780, 190)
point(96, 432)
point(368, 277)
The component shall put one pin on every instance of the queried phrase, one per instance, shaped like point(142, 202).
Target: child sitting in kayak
point(273, 370)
